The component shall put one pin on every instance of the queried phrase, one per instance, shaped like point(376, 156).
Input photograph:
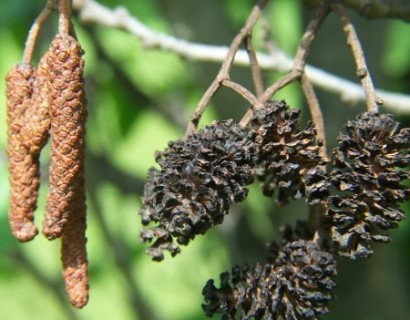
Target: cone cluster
point(355, 191)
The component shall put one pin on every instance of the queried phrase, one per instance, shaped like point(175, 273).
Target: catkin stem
point(64, 11)
point(35, 29)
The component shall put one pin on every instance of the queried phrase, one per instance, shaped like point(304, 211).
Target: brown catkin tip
point(23, 167)
point(68, 114)
point(74, 255)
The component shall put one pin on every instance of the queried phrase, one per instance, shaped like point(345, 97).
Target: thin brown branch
point(255, 69)
point(35, 29)
point(299, 62)
point(301, 53)
point(64, 21)
point(292, 76)
point(308, 37)
point(245, 93)
point(209, 93)
point(315, 112)
point(223, 73)
point(267, 94)
point(372, 100)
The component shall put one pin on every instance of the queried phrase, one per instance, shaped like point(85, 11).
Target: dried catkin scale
point(23, 168)
point(68, 113)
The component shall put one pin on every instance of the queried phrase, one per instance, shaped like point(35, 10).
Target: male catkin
point(65, 208)
point(74, 254)
point(68, 113)
point(23, 168)
point(35, 133)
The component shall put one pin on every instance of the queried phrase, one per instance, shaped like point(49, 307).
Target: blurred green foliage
point(139, 100)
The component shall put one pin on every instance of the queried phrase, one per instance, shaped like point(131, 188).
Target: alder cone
point(68, 115)
point(200, 178)
point(23, 166)
point(298, 284)
point(370, 173)
point(285, 152)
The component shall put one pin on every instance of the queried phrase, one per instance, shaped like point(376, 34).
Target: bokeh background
point(139, 99)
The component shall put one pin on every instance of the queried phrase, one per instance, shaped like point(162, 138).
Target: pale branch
point(93, 12)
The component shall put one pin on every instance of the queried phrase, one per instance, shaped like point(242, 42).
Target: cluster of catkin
point(49, 101)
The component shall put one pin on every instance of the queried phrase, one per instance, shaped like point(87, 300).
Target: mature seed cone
point(23, 166)
point(298, 285)
point(200, 178)
point(68, 114)
point(285, 152)
point(370, 188)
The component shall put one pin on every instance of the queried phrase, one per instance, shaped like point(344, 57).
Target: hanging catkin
point(73, 252)
point(65, 215)
point(23, 167)
point(35, 132)
point(68, 113)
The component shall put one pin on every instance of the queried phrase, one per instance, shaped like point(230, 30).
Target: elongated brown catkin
point(23, 167)
point(65, 215)
point(35, 132)
point(74, 254)
point(68, 114)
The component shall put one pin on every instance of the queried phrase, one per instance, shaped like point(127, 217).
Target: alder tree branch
point(373, 9)
point(362, 72)
point(92, 12)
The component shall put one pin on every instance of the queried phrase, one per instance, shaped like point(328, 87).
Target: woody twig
point(362, 72)
point(222, 78)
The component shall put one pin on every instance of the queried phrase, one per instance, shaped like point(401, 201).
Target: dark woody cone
point(298, 284)
point(23, 167)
